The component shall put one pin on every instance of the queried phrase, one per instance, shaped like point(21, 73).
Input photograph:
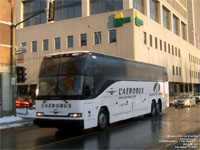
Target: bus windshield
point(62, 76)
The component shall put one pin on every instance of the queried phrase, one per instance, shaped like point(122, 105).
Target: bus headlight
point(75, 115)
point(39, 113)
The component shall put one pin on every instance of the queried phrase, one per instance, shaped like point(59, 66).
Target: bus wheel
point(102, 119)
point(153, 109)
point(158, 109)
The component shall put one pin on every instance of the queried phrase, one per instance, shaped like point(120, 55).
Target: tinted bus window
point(49, 67)
point(72, 65)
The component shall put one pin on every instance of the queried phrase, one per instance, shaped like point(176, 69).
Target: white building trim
point(5, 45)
point(5, 22)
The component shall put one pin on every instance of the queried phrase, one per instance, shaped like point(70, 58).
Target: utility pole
point(12, 43)
point(12, 65)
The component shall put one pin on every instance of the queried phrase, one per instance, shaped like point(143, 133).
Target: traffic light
point(21, 74)
point(51, 11)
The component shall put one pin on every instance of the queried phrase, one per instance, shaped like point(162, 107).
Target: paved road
point(176, 129)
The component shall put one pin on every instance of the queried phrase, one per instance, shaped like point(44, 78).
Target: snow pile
point(10, 119)
point(17, 121)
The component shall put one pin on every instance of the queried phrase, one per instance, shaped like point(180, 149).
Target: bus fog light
point(39, 113)
point(75, 115)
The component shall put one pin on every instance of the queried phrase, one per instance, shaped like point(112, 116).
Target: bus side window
point(88, 66)
point(98, 74)
point(89, 86)
point(89, 79)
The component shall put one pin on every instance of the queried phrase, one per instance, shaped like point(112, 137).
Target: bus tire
point(102, 119)
point(153, 109)
point(158, 109)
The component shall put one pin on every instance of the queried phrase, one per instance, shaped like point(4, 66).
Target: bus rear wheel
point(158, 109)
point(102, 119)
point(153, 109)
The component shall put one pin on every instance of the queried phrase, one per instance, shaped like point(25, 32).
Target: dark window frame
point(57, 43)
point(44, 45)
point(83, 39)
point(34, 46)
point(112, 33)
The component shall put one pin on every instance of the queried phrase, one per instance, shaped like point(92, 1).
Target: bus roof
point(68, 52)
point(104, 55)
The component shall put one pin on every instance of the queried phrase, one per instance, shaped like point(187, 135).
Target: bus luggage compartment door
point(90, 115)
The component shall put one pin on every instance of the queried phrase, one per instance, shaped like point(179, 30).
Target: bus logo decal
point(156, 88)
point(111, 91)
point(55, 111)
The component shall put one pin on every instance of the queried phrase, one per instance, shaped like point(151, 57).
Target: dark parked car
point(197, 98)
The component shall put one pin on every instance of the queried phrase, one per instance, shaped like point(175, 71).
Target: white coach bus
point(85, 89)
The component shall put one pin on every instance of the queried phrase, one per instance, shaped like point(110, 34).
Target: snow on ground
point(18, 120)
point(20, 114)
point(9, 119)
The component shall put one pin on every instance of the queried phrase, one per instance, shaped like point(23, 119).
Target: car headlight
point(187, 101)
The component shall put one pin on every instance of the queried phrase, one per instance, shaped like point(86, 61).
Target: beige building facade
point(163, 38)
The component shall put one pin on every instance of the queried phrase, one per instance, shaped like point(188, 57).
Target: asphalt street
point(175, 129)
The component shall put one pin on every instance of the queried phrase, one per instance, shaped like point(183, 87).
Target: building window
point(102, 6)
point(172, 50)
point(166, 18)
point(190, 87)
point(34, 46)
point(165, 46)
point(150, 40)
point(57, 43)
point(177, 71)
point(181, 88)
point(33, 7)
point(45, 45)
point(97, 36)
point(70, 41)
point(83, 39)
point(156, 42)
point(160, 44)
point(169, 48)
point(145, 37)
point(186, 88)
point(24, 47)
point(173, 70)
point(154, 10)
point(139, 5)
point(183, 31)
point(67, 9)
point(175, 25)
point(113, 36)
point(175, 51)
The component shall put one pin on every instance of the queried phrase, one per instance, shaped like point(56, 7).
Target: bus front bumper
point(59, 123)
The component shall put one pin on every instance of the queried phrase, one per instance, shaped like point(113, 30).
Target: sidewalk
point(24, 117)
point(15, 124)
